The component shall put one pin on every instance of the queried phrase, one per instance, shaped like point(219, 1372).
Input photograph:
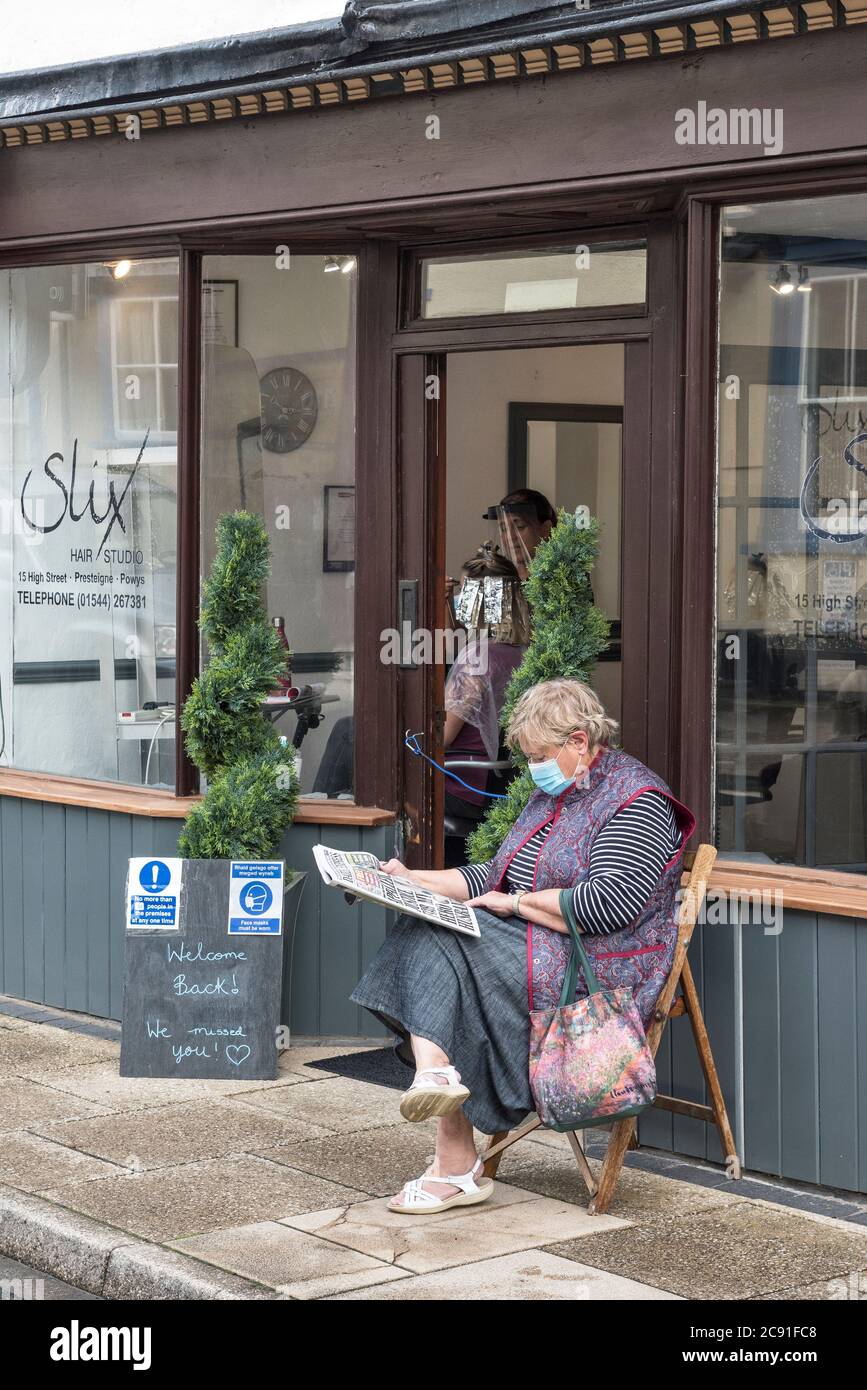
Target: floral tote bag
point(589, 1059)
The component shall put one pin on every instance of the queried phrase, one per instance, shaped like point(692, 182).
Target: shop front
point(365, 281)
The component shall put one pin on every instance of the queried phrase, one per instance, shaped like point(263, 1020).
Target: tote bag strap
point(577, 956)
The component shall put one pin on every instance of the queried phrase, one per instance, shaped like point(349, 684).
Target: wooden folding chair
point(667, 1006)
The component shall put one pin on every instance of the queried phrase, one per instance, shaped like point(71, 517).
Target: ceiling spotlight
point(120, 269)
point(782, 282)
point(347, 264)
point(331, 264)
point(804, 286)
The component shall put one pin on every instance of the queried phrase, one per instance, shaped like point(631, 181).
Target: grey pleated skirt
point(467, 995)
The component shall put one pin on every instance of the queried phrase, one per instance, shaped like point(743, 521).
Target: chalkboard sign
point(197, 1000)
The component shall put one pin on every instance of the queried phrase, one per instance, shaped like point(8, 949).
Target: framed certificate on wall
point(220, 312)
point(338, 549)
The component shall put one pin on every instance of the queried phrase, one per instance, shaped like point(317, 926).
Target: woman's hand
point(394, 866)
point(500, 904)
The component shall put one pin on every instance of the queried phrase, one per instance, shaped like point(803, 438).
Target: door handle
point(407, 616)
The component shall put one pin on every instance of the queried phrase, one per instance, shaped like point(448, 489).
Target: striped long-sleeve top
point(626, 861)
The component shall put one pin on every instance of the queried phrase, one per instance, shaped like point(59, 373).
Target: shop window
point(88, 506)
point(522, 282)
point(791, 719)
point(278, 438)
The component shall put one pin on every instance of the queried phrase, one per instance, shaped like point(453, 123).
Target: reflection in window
point(88, 507)
point(792, 536)
point(278, 438)
point(144, 344)
point(513, 282)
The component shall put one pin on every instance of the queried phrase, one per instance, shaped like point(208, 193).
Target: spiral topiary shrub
point(252, 779)
point(569, 632)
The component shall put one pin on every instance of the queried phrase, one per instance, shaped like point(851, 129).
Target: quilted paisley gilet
point(638, 956)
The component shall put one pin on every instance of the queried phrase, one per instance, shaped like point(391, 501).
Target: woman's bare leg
point(427, 1054)
point(455, 1146)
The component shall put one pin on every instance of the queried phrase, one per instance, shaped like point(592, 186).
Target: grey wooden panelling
point(799, 1045)
point(718, 950)
point(687, 1079)
point(786, 1012)
point(838, 1051)
point(800, 1078)
point(333, 941)
point(762, 1059)
point(62, 876)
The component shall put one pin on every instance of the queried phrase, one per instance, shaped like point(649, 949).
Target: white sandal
point(417, 1201)
point(426, 1098)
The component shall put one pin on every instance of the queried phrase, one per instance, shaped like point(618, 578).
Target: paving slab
point(527, 1276)
point(31, 1163)
point(296, 1263)
point(165, 1204)
point(640, 1196)
point(36, 1047)
point(375, 1161)
point(732, 1251)
point(24, 1102)
point(338, 1103)
point(178, 1134)
point(509, 1220)
point(102, 1083)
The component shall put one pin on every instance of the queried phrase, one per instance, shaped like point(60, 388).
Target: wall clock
point(289, 409)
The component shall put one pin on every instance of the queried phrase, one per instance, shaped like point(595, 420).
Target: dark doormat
point(376, 1064)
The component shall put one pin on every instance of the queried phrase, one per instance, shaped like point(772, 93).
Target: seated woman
point(476, 686)
point(599, 822)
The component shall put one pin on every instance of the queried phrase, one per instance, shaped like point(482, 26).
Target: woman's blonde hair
point(550, 711)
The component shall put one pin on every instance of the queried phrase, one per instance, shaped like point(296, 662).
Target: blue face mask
point(547, 774)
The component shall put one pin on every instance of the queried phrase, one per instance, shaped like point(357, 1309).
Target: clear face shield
point(515, 530)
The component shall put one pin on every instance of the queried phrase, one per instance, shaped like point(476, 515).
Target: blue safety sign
point(154, 876)
point(154, 894)
point(256, 898)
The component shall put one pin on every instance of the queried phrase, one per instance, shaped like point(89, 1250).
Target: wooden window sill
point(810, 890)
point(144, 801)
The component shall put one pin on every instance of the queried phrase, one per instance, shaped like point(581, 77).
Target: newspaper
point(358, 872)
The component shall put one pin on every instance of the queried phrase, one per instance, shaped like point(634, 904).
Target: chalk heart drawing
point(237, 1053)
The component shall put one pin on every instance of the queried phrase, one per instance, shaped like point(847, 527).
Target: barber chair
point(457, 828)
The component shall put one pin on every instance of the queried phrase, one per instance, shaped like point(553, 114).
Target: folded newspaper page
point(358, 872)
